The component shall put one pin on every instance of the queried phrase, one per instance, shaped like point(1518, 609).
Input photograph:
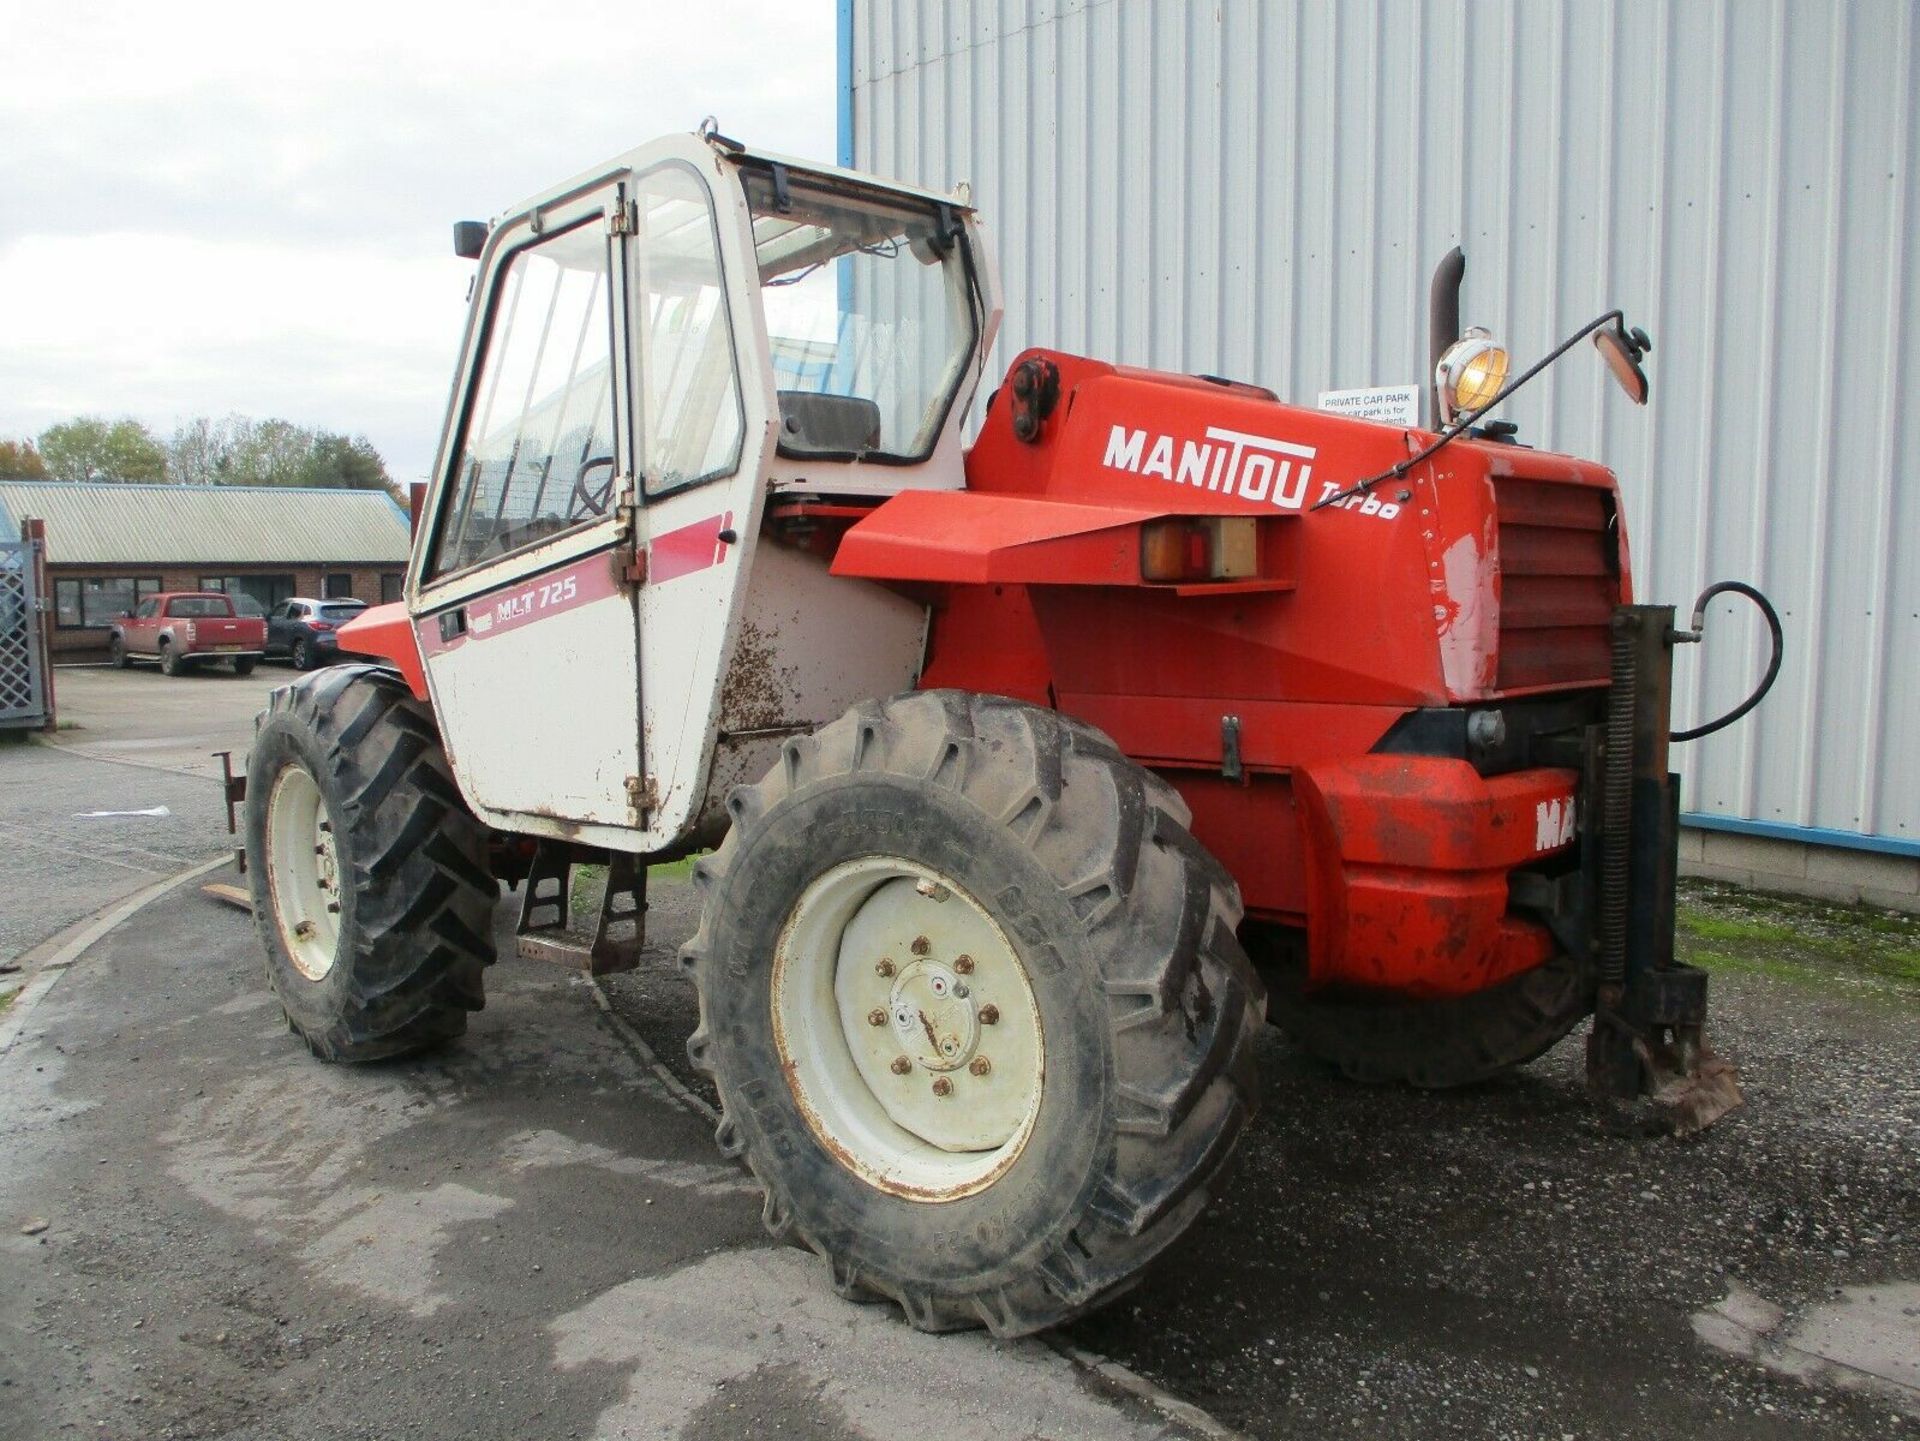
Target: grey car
point(307, 630)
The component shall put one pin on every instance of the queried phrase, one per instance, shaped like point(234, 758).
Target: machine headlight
point(1470, 373)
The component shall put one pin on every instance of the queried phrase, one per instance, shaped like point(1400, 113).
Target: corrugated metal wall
point(1260, 188)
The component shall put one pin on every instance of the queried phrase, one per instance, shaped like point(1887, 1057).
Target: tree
point(20, 461)
point(242, 451)
point(348, 463)
point(90, 447)
point(198, 453)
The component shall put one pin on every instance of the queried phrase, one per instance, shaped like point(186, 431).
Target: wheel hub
point(907, 1028)
point(934, 1016)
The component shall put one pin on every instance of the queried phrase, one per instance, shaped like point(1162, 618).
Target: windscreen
point(342, 612)
point(871, 312)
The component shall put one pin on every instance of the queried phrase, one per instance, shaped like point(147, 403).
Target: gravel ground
point(1493, 1263)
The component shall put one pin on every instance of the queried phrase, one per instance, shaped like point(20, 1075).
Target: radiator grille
point(1559, 582)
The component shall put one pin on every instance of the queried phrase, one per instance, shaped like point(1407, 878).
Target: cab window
point(690, 420)
point(536, 456)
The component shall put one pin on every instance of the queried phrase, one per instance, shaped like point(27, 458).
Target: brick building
point(109, 544)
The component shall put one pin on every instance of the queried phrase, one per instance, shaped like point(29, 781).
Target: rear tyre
point(302, 655)
point(371, 893)
point(243, 665)
point(117, 655)
point(972, 999)
point(171, 661)
point(1432, 1045)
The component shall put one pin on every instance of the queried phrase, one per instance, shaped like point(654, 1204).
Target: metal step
point(546, 931)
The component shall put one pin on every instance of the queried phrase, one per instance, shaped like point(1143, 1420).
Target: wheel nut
point(885, 967)
point(989, 1015)
point(876, 1017)
point(921, 945)
point(901, 1065)
point(942, 1086)
point(981, 1065)
point(963, 964)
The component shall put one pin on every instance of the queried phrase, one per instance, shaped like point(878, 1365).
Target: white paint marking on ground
point(691, 1333)
point(51, 969)
point(1869, 1340)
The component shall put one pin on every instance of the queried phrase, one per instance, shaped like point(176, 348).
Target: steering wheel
point(591, 500)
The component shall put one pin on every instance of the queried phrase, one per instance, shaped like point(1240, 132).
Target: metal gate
point(23, 657)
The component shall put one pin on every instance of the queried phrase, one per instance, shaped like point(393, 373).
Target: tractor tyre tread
point(418, 931)
point(1157, 918)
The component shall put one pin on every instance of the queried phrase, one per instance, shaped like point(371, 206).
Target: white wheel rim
point(303, 872)
point(907, 1029)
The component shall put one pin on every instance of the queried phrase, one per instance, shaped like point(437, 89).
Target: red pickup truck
point(182, 628)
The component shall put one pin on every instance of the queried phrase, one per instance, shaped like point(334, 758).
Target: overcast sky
point(209, 208)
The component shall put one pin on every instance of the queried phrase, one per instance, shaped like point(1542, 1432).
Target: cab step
point(546, 931)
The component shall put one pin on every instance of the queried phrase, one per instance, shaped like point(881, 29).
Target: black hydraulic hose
point(1738, 587)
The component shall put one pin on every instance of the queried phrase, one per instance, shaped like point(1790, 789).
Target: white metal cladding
point(106, 523)
point(1260, 189)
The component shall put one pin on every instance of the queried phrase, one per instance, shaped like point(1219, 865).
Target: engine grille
point(1559, 582)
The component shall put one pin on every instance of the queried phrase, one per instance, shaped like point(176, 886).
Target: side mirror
point(1622, 349)
point(469, 238)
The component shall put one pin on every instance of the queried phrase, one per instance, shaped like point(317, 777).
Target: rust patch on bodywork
point(758, 691)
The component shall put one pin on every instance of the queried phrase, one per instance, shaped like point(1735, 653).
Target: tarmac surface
point(205, 1232)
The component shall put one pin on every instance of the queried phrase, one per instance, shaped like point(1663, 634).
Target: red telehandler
point(1029, 779)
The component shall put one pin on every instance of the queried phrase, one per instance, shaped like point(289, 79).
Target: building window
point(249, 591)
point(391, 588)
point(95, 602)
point(339, 586)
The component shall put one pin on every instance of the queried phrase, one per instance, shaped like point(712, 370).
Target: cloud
point(215, 207)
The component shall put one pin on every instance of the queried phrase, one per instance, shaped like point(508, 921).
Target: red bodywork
point(1486, 575)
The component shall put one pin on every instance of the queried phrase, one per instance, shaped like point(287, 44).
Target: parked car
point(182, 628)
point(308, 630)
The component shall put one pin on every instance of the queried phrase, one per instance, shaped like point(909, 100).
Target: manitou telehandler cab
point(1036, 776)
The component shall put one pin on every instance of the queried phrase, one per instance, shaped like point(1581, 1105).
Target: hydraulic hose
point(1738, 587)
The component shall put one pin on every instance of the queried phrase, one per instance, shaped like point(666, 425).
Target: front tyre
point(117, 656)
point(370, 888)
point(972, 1000)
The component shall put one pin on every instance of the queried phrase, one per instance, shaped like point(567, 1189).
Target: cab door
point(521, 599)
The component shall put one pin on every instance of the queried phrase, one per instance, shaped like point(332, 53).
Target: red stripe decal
point(688, 549)
point(575, 584)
